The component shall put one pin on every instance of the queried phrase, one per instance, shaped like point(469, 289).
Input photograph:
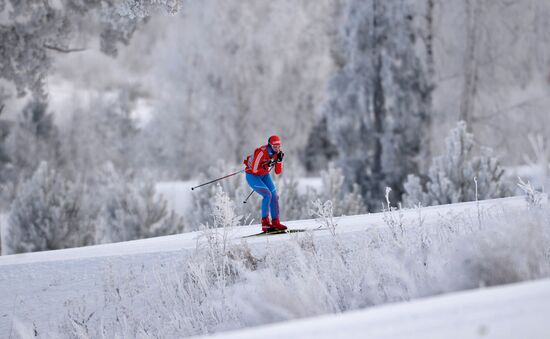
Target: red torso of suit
point(257, 163)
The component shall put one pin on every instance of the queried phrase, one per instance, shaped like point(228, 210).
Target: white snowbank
point(513, 311)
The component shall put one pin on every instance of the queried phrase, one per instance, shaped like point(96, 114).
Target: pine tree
point(459, 174)
point(378, 114)
point(48, 213)
point(6, 165)
point(129, 208)
point(34, 138)
point(319, 150)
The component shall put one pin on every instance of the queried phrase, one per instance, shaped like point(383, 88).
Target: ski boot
point(266, 225)
point(277, 225)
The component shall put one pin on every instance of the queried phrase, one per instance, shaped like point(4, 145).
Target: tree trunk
point(469, 89)
point(379, 109)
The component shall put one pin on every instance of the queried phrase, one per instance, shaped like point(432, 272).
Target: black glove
point(268, 164)
point(280, 156)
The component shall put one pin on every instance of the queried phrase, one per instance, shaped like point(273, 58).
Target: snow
point(311, 183)
point(41, 290)
point(188, 241)
point(513, 311)
point(177, 194)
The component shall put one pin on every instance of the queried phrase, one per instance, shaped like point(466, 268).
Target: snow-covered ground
point(513, 311)
point(188, 241)
point(49, 294)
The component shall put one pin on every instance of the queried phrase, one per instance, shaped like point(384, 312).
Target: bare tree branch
point(63, 50)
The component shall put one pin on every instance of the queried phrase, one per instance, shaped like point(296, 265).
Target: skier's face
point(276, 148)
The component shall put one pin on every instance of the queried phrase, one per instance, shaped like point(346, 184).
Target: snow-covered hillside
point(513, 311)
point(212, 281)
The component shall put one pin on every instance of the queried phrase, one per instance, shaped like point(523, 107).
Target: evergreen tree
point(343, 202)
point(129, 209)
point(51, 212)
point(6, 166)
point(463, 173)
point(378, 113)
point(48, 213)
point(108, 135)
point(319, 150)
point(34, 138)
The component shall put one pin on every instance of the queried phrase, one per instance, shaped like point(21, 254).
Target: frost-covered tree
point(256, 69)
point(492, 71)
point(33, 138)
point(333, 189)
point(117, 130)
point(297, 203)
point(108, 135)
point(35, 29)
point(464, 173)
point(319, 150)
point(48, 213)
point(539, 161)
point(6, 165)
point(378, 112)
point(130, 209)
point(53, 212)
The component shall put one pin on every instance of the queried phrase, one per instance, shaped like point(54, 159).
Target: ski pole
point(245, 200)
point(212, 181)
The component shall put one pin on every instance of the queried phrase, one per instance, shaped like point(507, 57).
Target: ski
point(287, 231)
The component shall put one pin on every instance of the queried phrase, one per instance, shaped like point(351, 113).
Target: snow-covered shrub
point(48, 213)
point(192, 297)
point(228, 283)
point(414, 192)
point(53, 212)
point(532, 196)
point(235, 188)
point(393, 217)
point(129, 209)
point(301, 205)
point(293, 203)
point(333, 189)
point(223, 218)
point(324, 213)
point(451, 175)
point(540, 161)
point(509, 248)
point(202, 292)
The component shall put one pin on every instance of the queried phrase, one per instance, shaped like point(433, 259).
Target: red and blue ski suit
point(258, 177)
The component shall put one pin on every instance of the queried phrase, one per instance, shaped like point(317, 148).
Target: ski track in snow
point(34, 286)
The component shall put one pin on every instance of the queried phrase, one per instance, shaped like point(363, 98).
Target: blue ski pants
point(263, 184)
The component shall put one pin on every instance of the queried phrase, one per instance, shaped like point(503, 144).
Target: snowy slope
point(187, 241)
point(37, 290)
point(512, 311)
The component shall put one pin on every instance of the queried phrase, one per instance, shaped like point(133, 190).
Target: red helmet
point(274, 140)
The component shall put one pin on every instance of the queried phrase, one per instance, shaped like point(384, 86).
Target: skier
point(258, 166)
